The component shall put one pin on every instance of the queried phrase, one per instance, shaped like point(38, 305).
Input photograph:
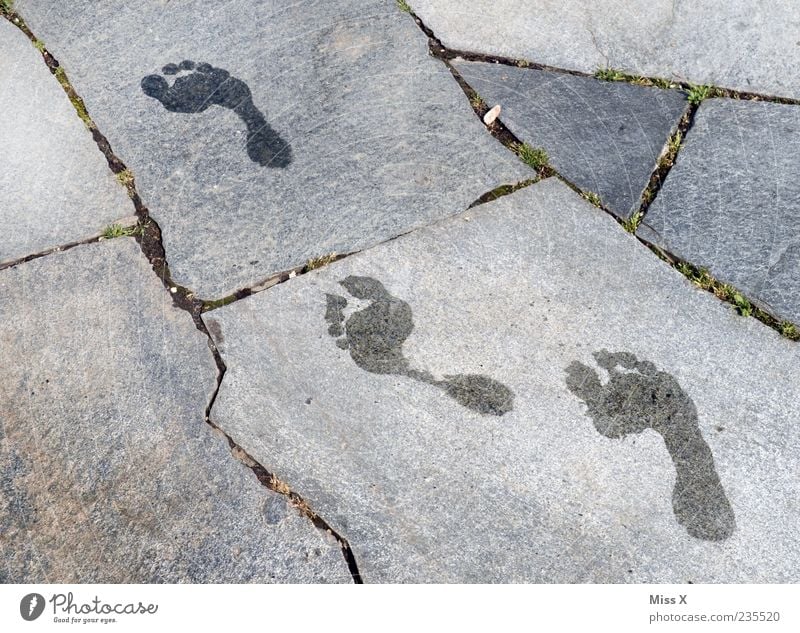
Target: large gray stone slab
point(744, 45)
point(437, 398)
point(604, 137)
point(55, 185)
point(731, 202)
point(108, 470)
point(355, 133)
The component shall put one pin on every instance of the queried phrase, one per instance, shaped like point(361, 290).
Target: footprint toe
point(154, 86)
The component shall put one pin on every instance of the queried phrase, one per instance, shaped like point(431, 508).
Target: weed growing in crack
point(744, 307)
point(125, 178)
point(611, 74)
point(592, 197)
point(6, 7)
point(477, 102)
point(319, 262)
point(117, 230)
point(403, 6)
point(790, 330)
point(698, 94)
point(39, 45)
point(534, 157)
point(633, 222)
point(701, 278)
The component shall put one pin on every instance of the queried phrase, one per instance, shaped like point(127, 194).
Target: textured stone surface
point(346, 131)
point(440, 399)
point(745, 44)
point(732, 200)
point(55, 186)
point(604, 137)
point(108, 472)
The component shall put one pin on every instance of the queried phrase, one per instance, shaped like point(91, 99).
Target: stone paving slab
point(108, 472)
point(55, 185)
point(522, 393)
point(604, 137)
point(743, 45)
point(732, 201)
point(262, 136)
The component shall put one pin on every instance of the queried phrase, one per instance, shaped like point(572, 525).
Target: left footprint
point(375, 336)
point(204, 86)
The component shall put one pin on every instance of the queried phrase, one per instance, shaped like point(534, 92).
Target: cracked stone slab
point(730, 204)
point(108, 471)
point(522, 393)
point(604, 137)
point(55, 185)
point(261, 137)
point(743, 45)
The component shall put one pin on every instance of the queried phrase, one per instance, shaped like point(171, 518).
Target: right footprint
point(375, 335)
point(638, 397)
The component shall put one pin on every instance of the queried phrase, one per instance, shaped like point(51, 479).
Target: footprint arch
point(374, 336)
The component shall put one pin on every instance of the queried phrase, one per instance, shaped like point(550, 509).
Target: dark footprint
point(639, 397)
point(375, 337)
point(206, 86)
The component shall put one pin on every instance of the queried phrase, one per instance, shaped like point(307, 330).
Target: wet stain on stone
point(215, 329)
point(204, 86)
point(375, 335)
point(638, 397)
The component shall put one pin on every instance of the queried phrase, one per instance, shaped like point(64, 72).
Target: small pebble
point(491, 115)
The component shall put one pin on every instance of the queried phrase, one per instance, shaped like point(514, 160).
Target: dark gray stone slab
point(731, 202)
point(522, 393)
point(55, 185)
point(334, 130)
point(743, 44)
point(108, 472)
point(604, 137)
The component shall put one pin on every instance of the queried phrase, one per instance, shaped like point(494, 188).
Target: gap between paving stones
point(148, 236)
point(666, 160)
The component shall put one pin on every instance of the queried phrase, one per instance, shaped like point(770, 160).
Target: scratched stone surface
point(522, 393)
point(108, 471)
point(745, 45)
point(731, 202)
point(55, 185)
point(604, 137)
point(261, 137)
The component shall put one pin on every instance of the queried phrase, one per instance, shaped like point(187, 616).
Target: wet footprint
point(638, 397)
point(205, 86)
point(375, 336)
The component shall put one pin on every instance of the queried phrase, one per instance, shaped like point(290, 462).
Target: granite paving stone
point(261, 136)
point(522, 393)
point(604, 137)
point(55, 185)
point(108, 471)
point(731, 202)
point(742, 45)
